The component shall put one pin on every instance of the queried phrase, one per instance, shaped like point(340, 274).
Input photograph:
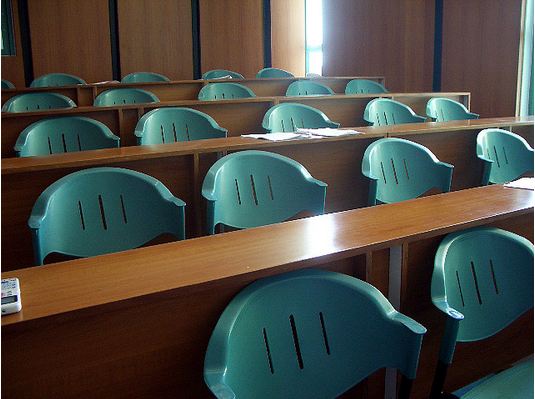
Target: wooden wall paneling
point(480, 52)
point(380, 37)
point(288, 35)
point(13, 65)
point(71, 37)
point(155, 36)
point(232, 36)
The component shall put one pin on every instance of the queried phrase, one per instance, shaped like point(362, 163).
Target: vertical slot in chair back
point(123, 97)
point(29, 102)
point(384, 111)
point(103, 210)
point(445, 109)
point(170, 125)
point(309, 333)
point(400, 169)
point(288, 117)
point(364, 86)
point(255, 188)
point(66, 134)
point(507, 156)
point(307, 88)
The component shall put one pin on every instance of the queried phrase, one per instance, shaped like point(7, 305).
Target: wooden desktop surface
point(137, 323)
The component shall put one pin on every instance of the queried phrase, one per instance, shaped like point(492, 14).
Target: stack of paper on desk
point(328, 132)
point(527, 183)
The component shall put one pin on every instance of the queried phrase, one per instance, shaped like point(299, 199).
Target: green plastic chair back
point(384, 111)
point(221, 73)
point(273, 73)
point(364, 86)
point(288, 117)
point(102, 210)
point(255, 188)
point(141, 77)
point(56, 80)
point(65, 134)
point(29, 102)
point(307, 334)
point(445, 109)
point(400, 170)
point(482, 281)
point(506, 155)
point(224, 91)
point(169, 125)
point(307, 88)
point(124, 96)
point(6, 84)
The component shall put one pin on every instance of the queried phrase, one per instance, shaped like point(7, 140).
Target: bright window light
point(314, 36)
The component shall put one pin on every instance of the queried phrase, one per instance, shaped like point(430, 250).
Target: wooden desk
point(84, 95)
point(182, 167)
point(238, 116)
point(137, 323)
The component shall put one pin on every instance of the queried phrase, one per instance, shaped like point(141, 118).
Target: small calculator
point(11, 296)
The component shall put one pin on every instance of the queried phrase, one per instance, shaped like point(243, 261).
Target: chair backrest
point(124, 96)
point(364, 86)
point(255, 188)
point(6, 84)
point(308, 88)
point(65, 134)
point(445, 109)
point(224, 91)
point(139, 77)
point(507, 156)
point(221, 73)
point(29, 102)
point(307, 334)
point(384, 111)
point(57, 79)
point(288, 117)
point(169, 125)
point(399, 169)
point(103, 210)
point(273, 73)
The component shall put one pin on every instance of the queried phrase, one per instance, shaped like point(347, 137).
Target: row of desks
point(84, 95)
point(238, 116)
point(136, 324)
point(182, 166)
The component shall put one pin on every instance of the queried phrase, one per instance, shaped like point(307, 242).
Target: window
point(8, 43)
point(314, 36)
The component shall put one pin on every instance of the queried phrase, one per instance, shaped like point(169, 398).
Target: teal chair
point(399, 170)
point(308, 334)
point(169, 125)
point(307, 88)
point(6, 84)
point(384, 111)
point(273, 73)
point(102, 210)
point(506, 155)
point(224, 91)
point(288, 117)
point(123, 97)
point(364, 86)
point(65, 134)
point(221, 73)
point(142, 77)
point(29, 102)
point(482, 281)
point(57, 79)
point(445, 109)
point(255, 188)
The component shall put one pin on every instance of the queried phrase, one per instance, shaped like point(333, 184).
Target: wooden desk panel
point(137, 323)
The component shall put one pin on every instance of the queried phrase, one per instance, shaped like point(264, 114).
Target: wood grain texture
point(13, 65)
point(155, 36)
point(232, 36)
point(71, 37)
point(390, 38)
point(485, 35)
point(288, 35)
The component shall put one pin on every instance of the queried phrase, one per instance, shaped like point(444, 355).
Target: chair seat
point(513, 383)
